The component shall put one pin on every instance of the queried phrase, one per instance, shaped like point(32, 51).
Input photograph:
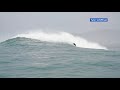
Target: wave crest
point(62, 37)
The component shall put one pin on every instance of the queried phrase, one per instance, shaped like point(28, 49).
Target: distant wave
point(62, 37)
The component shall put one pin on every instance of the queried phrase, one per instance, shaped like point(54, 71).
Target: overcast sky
point(12, 23)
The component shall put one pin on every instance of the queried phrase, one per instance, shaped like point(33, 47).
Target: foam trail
point(62, 37)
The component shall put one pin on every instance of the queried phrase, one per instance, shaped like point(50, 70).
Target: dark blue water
point(21, 57)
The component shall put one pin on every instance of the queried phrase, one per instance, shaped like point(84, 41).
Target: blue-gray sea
point(29, 58)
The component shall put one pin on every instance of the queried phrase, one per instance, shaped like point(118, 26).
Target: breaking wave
point(62, 37)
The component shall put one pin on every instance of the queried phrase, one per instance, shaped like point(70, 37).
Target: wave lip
point(62, 37)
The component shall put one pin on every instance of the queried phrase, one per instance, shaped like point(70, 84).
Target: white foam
point(62, 37)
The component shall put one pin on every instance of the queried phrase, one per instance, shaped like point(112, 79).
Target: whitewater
point(62, 37)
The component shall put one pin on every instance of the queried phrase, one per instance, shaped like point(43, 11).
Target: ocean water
point(22, 57)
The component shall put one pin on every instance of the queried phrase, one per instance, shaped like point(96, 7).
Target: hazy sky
point(12, 23)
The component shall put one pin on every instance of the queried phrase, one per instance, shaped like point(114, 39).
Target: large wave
point(62, 37)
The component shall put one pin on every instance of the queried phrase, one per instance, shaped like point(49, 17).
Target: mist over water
point(62, 37)
point(41, 45)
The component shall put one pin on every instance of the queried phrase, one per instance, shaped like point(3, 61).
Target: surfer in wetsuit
point(74, 44)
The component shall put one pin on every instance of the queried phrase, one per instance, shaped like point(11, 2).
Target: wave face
point(62, 37)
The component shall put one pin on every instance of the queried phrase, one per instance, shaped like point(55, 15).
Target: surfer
point(74, 44)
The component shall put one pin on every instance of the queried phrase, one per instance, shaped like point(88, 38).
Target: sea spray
point(62, 37)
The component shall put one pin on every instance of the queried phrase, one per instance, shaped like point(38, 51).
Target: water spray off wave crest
point(62, 37)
